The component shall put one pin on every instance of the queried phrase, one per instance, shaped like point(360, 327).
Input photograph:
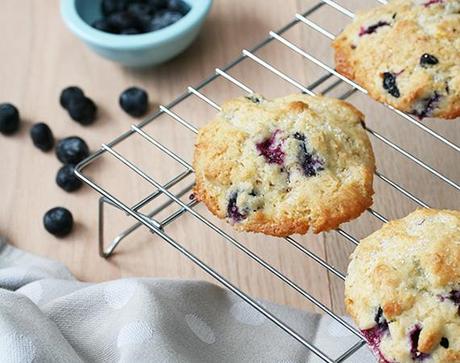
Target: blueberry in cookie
point(406, 54)
point(403, 288)
point(282, 166)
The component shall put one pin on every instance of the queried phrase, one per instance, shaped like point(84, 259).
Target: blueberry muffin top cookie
point(280, 166)
point(406, 54)
point(403, 288)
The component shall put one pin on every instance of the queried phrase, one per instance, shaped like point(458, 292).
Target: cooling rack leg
point(106, 253)
point(100, 208)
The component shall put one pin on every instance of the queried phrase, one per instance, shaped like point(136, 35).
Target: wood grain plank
point(41, 57)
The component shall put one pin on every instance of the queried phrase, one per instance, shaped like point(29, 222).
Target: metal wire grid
point(157, 227)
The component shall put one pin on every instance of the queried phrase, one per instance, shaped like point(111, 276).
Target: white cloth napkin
point(46, 315)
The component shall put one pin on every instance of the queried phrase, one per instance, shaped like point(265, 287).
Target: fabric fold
point(46, 315)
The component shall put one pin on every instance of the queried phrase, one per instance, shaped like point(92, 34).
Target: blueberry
point(58, 221)
point(103, 25)
point(141, 13)
point(272, 149)
point(414, 336)
point(143, 23)
point(253, 99)
point(164, 18)
point(373, 28)
point(299, 136)
point(139, 9)
point(380, 319)
point(42, 136)
point(134, 101)
point(72, 150)
point(83, 110)
point(67, 179)
point(311, 163)
point(130, 31)
point(374, 337)
point(178, 5)
point(454, 296)
point(425, 107)
point(432, 2)
point(9, 119)
point(375, 334)
point(109, 7)
point(427, 60)
point(69, 94)
point(156, 5)
point(444, 342)
point(122, 21)
point(232, 209)
point(389, 83)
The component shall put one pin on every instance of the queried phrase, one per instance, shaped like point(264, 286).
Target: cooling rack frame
point(157, 227)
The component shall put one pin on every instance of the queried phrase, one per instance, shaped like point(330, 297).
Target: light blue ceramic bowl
point(134, 50)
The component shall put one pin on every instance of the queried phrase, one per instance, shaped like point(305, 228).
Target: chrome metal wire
point(156, 226)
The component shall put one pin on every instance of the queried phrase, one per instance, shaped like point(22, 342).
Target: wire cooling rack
point(157, 226)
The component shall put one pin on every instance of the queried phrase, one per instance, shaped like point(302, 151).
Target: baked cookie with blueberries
point(281, 166)
point(406, 54)
point(403, 288)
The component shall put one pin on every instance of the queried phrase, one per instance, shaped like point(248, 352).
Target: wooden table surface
point(39, 57)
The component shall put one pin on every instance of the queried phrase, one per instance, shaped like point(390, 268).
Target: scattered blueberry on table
point(58, 221)
point(130, 17)
point(42, 136)
point(9, 119)
point(134, 101)
point(81, 108)
point(70, 93)
point(66, 178)
point(72, 150)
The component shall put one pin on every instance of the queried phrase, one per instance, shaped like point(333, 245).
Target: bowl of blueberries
point(136, 33)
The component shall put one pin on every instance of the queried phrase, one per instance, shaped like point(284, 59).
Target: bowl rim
point(198, 11)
